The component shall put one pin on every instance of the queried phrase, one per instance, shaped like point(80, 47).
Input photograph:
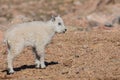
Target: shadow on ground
point(30, 66)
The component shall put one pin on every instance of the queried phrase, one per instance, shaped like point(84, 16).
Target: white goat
point(36, 34)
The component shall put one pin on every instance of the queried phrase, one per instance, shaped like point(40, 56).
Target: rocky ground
point(89, 50)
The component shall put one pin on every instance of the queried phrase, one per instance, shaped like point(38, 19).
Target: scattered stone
point(116, 20)
point(108, 24)
point(97, 17)
point(77, 56)
point(68, 63)
point(65, 72)
point(77, 2)
point(85, 46)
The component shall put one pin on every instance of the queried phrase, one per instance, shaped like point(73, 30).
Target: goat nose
point(65, 29)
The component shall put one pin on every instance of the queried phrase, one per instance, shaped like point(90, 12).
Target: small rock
point(68, 63)
point(77, 56)
point(77, 2)
point(65, 72)
point(96, 18)
point(117, 43)
point(116, 20)
point(77, 72)
point(85, 46)
point(108, 25)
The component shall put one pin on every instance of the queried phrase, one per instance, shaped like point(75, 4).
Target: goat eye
point(59, 23)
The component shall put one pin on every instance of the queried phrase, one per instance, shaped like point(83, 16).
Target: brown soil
point(79, 54)
point(75, 55)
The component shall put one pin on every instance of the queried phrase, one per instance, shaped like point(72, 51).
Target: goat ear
point(53, 18)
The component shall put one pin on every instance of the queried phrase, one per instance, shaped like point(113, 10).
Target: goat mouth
point(63, 31)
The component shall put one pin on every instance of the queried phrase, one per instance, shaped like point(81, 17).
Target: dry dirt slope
point(75, 55)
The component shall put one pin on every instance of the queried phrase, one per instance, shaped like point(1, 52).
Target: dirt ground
point(79, 54)
point(75, 55)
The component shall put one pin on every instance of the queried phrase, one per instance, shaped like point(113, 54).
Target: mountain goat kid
point(36, 34)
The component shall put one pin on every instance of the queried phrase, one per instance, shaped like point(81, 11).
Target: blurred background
point(74, 12)
point(89, 50)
